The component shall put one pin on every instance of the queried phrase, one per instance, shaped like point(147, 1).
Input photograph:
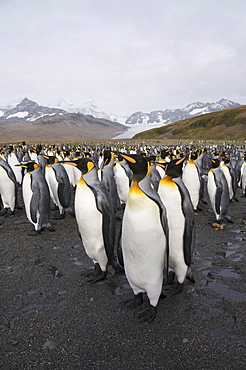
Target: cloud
point(126, 55)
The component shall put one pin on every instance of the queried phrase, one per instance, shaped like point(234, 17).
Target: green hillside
point(228, 124)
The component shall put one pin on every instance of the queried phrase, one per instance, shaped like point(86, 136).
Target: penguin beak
point(162, 165)
point(67, 162)
point(180, 160)
point(127, 158)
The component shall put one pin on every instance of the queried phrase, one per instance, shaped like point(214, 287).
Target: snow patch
point(32, 119)
point(18, 115)
point(198, 111)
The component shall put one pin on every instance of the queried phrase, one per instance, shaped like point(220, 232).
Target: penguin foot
point(148, 315)
point(170, 291)
point(191, 279)
point(135, 302)
point(71, 212)
point(117, 267)
point(50, 228)
point(34, 232)
point(228, 219)
point(97, 275)
point(58, 217)
point(3, 212)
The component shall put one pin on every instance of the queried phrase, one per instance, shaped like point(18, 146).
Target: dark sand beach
point(51, 318)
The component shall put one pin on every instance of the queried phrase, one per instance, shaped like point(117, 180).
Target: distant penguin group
point(158, 190)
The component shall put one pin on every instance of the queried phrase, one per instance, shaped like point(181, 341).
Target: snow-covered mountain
point(27, 111)
point(140, 121)
point(164, 117)
point(89, 107)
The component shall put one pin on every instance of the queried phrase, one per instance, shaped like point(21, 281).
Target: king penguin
point(192, 180)
point(243, 176)
point(180, 216)
point(8, 188)
point(144, 233)
point(95, 218)
point(123, 179)
point(14, 162)
point(108, 176)
point(59, 186)
point(218, 192)
point(36, 198)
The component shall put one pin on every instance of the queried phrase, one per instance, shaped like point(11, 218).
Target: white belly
point(53, 185)
point(191, 180)
point(143, 245)
point(176, 222)
point(27, 196)
point(212, 191)
point(89, 221)
point(7, 190)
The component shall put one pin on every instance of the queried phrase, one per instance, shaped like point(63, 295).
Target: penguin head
point(51, 159)
point(108, 156)
point(215, 162)
point(225, 159)
point(85, 165)
point(194, 156)
point(174, 167)
point(30, 165)
point(138, 164)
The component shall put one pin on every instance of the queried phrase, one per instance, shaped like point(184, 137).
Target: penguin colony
point(160, 189)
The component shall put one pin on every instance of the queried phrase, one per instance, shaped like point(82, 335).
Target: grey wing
point(34, 204)
point(64, 190)
point(218, 194)
point(128, 171)
point(188, 211)
point(41, 198)
point(9, 170)
point(105, 206)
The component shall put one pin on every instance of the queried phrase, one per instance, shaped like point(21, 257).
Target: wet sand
point(52, 319)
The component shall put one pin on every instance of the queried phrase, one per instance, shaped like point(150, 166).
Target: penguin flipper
point(9, 171)
point(63, 185)
point(189, 234)
point(63, 195)
point(106, 208)
point(34, 205)
point(218, 194)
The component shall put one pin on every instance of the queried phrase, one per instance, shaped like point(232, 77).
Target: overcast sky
point(126, 55)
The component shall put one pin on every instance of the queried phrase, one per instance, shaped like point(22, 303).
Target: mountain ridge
point(227, 124)
point(30, 121)
point(167, 116)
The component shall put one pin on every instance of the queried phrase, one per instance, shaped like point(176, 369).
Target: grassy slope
point(222, 125)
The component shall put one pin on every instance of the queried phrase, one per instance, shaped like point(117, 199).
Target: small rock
point(49, 344)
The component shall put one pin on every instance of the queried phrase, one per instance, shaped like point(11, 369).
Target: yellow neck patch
point(167, 181)
point(135, 189)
